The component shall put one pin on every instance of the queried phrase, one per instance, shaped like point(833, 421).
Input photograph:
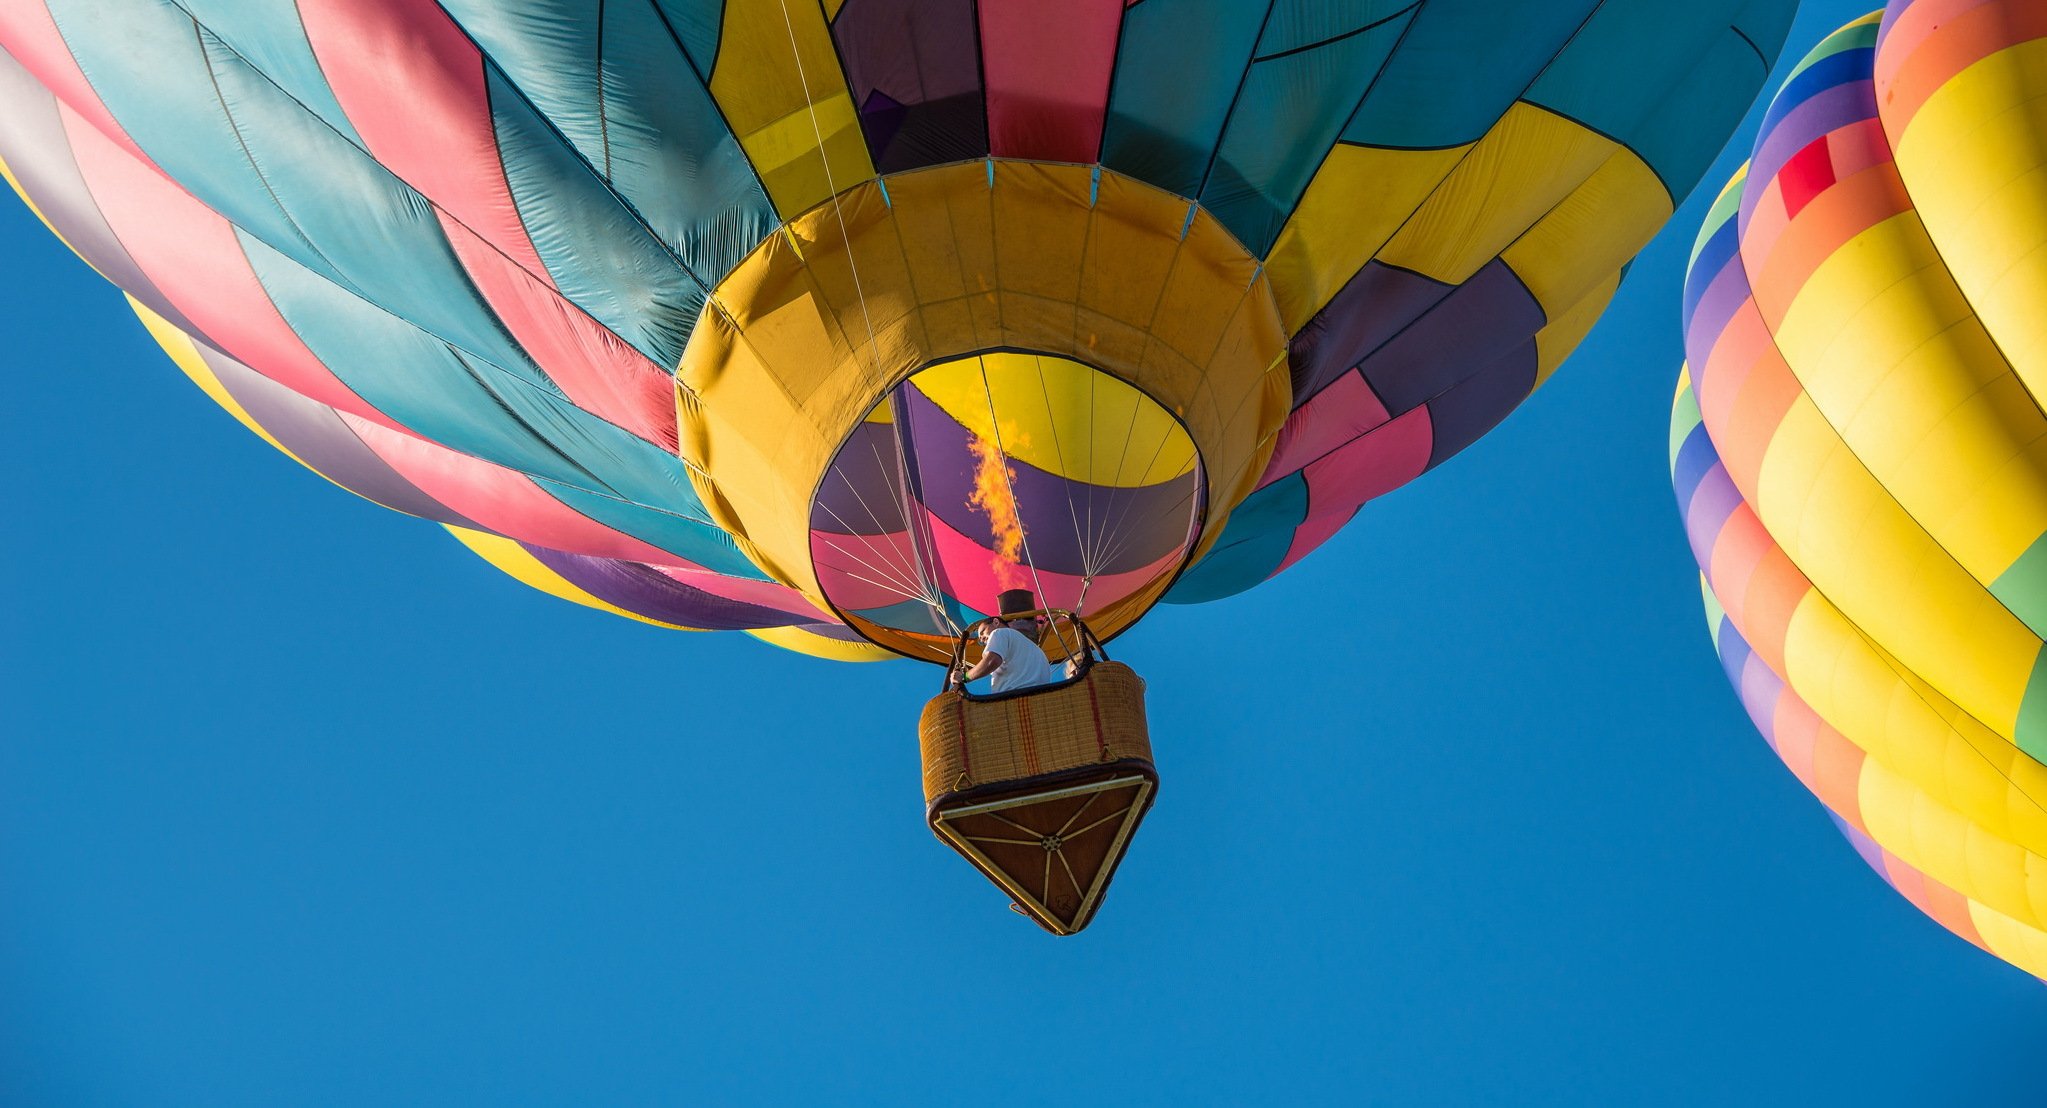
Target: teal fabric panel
point(271, 38)
point(599, 253)
point(1305, 82)
point(1260, 533)
point(1178, 67)
point(1689, 72)
point(644, 123)
point(1461, 64)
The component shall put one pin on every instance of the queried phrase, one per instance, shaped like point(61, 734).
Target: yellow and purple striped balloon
point(1860, 453)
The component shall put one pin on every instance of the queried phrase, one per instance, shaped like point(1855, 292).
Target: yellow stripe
point(1355, 202)
point(2022, 946)
point(1973, 160)
point(515, 562)
point(1892, 355)
point(1526, 165)
point(757, 85)
point(817, 646)
point(1062, 417)
point(1858, 547)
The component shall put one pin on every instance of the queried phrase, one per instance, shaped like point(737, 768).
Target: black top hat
point(1014, 601)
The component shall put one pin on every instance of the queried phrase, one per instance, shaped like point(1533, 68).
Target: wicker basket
point(1042, 789)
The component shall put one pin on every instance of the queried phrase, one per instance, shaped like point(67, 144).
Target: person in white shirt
point(1009, 649)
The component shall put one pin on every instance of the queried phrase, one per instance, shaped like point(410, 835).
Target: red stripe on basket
point(1094, 704)
point(1028, 735)
point(966, 760)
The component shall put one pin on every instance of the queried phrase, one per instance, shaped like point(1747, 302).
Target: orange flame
point(992, 496)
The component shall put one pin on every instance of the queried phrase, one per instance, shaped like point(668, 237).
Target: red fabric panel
point(1369, 466)
point(1047, 66)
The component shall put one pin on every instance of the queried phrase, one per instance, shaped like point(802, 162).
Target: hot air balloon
point(1860, 456)
point(831, 322)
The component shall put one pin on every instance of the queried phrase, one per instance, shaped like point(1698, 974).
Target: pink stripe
point(767, 594)
point(1047, 63)
point(432, 128)
point(1338, 414)
point(969, 572)
point(1370, 466)
point(191, 254)
point(29, 32)
point(864, 571)
point(501, 500)
point(595, 368)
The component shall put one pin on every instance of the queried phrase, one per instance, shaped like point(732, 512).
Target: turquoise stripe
point(598, 252)
point(1288, 115)
point(648, 127)
point(1260, 533)
point(1177, 68)
point(271, 37)
point(1462, 64)
point(1669, 81)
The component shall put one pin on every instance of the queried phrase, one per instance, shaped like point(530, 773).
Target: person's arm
point(989, 663)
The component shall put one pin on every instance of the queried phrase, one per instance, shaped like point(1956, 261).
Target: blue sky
point(301, 804)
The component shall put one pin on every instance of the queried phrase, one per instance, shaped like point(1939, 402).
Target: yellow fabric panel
point(2022, 946)
point(1526, 165)
point(1582, 242)
point(1917, 734)
point(795, 350)
point(1936, 841)
point(1061, 417)
point(1858, 547)
point(1356, 201)
point(817, 646)
point(1890, 352)
point(1975, 164)
point(1564, 332)
point(185, 353)
point(516, 563)
point(777, 80)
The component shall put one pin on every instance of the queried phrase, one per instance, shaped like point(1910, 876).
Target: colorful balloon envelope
point(1860, 455)
point(828, 322)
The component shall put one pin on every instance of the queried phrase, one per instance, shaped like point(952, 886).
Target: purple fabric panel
point(644, 591)
point(1370, 309)
point(1471, 407)
point(862, 492)
point(1488, 316)
point(1864, 845)
point(1127, 527)
point(1831, 109)
point(914, 67)
point(33, 142)
point(1724, 295)
point(312, 431)
point(1714, 501)
point(1760, 689)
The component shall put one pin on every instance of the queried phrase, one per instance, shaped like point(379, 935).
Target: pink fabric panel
point(1376, 464)
point(30, 34)
point(1338, 414)
point(433, 129)
point(192, 255)
point(502, 500)
point(767, 594)
point(595, 368)
point(864, 571)
point(1047, 63)
point(969, 574)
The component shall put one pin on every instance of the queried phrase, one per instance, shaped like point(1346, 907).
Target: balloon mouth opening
point(997, 471)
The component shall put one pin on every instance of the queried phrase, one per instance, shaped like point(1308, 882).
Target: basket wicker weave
point(1042, 789)
point(970, 742)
